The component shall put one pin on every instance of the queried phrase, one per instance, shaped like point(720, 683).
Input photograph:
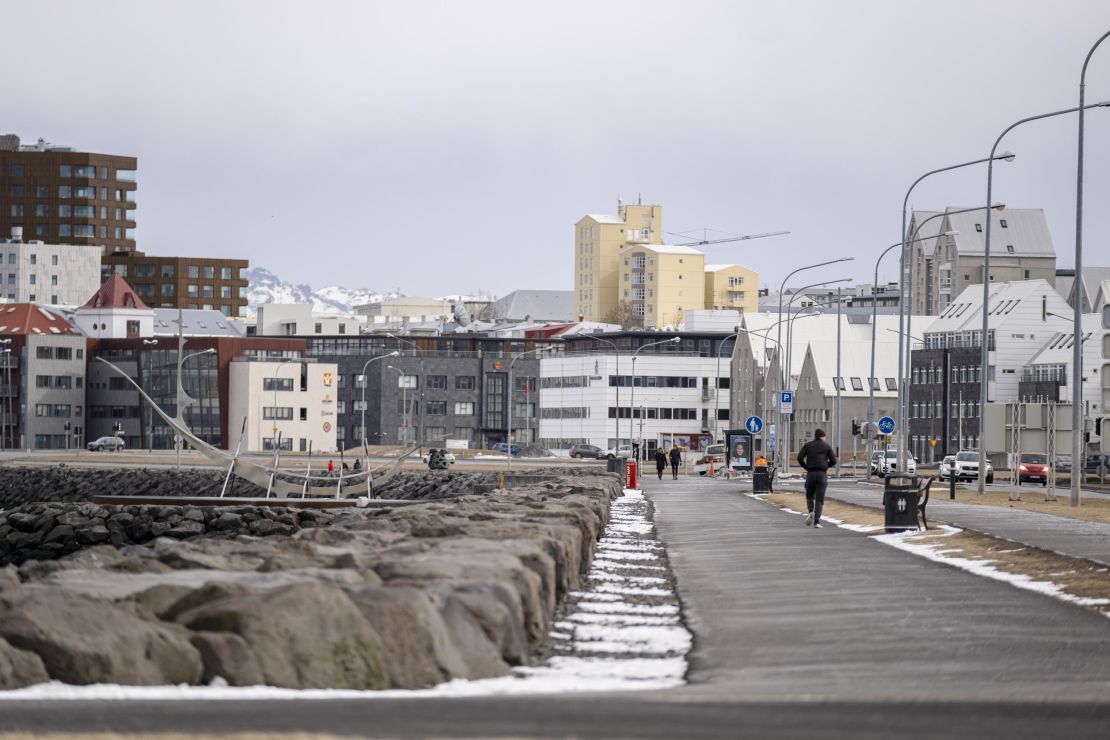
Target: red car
point(1033, 466)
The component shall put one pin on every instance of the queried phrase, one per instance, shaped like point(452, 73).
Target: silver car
point(946, 466)
point(106, 443)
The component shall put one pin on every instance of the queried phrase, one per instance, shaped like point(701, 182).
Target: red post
point(630, 473)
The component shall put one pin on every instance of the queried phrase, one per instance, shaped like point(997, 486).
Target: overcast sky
point(443, 147)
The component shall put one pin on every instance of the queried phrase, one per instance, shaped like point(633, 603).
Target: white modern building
point(298, 320)
point(48, 274)
point(293, 401)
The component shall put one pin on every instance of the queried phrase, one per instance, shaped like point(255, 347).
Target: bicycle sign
point(886, 425)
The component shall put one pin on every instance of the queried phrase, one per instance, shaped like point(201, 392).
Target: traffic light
point(855, 428)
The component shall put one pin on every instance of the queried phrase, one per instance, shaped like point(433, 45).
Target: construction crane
point(706, 240)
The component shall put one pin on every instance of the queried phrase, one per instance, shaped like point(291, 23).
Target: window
point(132, 328)
point(42, 211)
point(435, 408)
point(318, 328)
point(209, 272)
point(464, 382)
point(891, 384)
point(286, 443)
point(206, 291)
point(435, 434)
point(191, 291)
point(86, 230)
point(875, 384)
point(1009, 249)
point(857, 384)
point(44, 353)
point(64, 170)
point(167, 289)
point(979, 227)
point(1003, 222)
point(464, 408)
point(225, 291)
point(277, 412)
point(838, 384)
point(407, 381)
point(17, 191)
point(277, 384)
point(84, 192)
point(438, 382)
point(193, 271)
point(17, 210)
point(65, 211)
point(225, 273)
point(167, 271)
point(16, 170)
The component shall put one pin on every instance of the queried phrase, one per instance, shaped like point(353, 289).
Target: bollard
point(952, 487)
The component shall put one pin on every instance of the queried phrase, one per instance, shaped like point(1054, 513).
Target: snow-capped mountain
point(266, 287)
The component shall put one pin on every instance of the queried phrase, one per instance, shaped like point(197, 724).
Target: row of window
point(56, 410)
point(168, 290)
point(47, 352)
point(624, 412)
point(192, 272)
point(62, 382)
point(87, 192)
point(86, 171)
point(85, 231)
point(653, 381)
point(935, 409)
point(960, 374)
point(857, 384)
point(812, 416)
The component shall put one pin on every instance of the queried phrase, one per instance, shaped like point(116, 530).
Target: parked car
point(967, 466)
point(106, 443)
point(890, 463)
point(622, 451)
point(503, 447)
point(946, 465)
point(1063, 463)
point(1093, 463)
point(713, 453)
point(447, 454)
point(1033, 467)
point(580, 451)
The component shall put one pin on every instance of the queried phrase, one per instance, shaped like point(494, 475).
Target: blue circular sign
point(886, 425)
point(754, 424)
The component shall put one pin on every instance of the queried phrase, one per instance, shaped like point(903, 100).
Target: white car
point(106, 443)
point(716, 453)
point(946, 465)
point(967, 466)
point(890, 463)
point(622, 451)
point(450, 457)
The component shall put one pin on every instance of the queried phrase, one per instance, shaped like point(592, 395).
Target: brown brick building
point(60, 196)
point(182, 282)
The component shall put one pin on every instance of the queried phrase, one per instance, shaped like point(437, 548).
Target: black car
point(580, 451)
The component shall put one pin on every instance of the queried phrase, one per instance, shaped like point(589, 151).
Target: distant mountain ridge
point(265, 287)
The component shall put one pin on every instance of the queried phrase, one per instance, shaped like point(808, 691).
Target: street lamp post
point(419, 388)
point(632, 403)
point(1078, 454)
point(509, 403)
point(364, 366)
point(984, 358)
point(404, 403)
point(617, 415)
point(905, 275)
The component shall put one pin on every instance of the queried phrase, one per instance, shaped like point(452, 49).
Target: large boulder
point(82, 641)
point(19, 668)
point(226, 655)
point(418, 650)
point(307, 635)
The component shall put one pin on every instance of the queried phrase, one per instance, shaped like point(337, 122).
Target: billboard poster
point(739, 449)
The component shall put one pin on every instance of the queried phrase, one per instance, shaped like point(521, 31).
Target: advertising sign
point(739, 449)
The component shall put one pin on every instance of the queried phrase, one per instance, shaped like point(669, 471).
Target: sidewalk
point(782, 611)
point(1073, 537)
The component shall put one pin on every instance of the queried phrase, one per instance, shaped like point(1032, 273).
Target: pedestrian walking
point(816, 456)
point(676, 460)
point(660, 462)
point(331, 466)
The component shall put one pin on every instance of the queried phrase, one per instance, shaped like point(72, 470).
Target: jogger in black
point(816, 457)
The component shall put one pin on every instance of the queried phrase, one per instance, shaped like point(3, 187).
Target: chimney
point(17, 233)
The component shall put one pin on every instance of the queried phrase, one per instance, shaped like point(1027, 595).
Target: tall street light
point(405, 416)
point(509, 398)
point(905, 276)
point(617, 414)
point(394, 353)
point(1077, 434)
point(782, 287)
point(1078, 454)
point(787, 438)
point(419, 386)
point(904, 331)
point(632, 403)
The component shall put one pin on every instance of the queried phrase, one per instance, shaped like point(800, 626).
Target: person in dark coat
point(660, 462)
point(816, 456)
point(676, 460)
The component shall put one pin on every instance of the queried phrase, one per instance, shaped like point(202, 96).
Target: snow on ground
point(612, 636)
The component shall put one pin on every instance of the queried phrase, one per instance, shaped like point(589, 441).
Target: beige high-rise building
point(662, 282)
point(621, 261)
point(731, 287)
point(598, 242)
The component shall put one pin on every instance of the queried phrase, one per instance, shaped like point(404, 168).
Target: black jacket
point(660, 459)
point(817, 455)
point(676, 456)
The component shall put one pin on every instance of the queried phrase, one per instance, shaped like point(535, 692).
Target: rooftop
point(30, 318)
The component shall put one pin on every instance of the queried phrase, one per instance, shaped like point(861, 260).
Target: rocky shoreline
point(400, 597)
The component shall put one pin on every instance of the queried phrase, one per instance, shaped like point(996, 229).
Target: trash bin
point(617, 465)
point(761, 479)
point(900, 499)
point(630, 474)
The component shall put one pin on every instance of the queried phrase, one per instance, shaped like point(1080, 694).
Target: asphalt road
point(798, 633)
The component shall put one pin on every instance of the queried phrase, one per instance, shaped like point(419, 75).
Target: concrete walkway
point(1074, 537)
point(781, 610)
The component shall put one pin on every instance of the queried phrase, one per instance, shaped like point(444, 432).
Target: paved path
point(1074, 537)
point(782, 610)
point(799, 633)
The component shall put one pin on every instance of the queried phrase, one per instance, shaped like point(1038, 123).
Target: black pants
point(816, 483)
point(659, 469)
point(674, 470)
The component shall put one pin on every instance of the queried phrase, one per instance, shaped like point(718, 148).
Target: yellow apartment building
point(598, 244)
point(731, 287)
point(662, 282)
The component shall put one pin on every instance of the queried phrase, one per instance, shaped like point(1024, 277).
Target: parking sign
point(786, 402)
